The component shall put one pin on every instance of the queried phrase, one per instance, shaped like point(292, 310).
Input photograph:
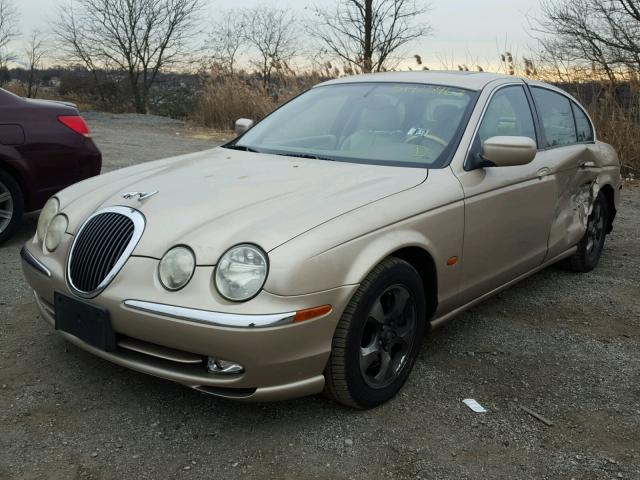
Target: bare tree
point(368, 34)
point(8, 30)
point(34, 51)
point(139, 37)
point(227, 39)
point(597, 35)
point(273, 35)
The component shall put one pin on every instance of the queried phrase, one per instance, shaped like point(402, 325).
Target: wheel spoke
point(4, 197)
point(385, 370)
point(377, 312)
point(369, 355)
point(404, 333)
point(6, 214)
point(400, 299)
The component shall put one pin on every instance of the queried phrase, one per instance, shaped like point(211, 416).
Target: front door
point(508, 210)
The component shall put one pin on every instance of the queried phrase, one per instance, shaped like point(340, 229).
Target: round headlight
point(241, 272)
point(49, 211)
point(55, 232)
point(176, 268)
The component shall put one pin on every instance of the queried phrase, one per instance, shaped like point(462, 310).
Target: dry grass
point(615, 111)
point(620, 127)
point(226, 99)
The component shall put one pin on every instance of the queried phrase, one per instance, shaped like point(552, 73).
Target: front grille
point(101, 248)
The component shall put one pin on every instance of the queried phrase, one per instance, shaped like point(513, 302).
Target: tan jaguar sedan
point(314, 251)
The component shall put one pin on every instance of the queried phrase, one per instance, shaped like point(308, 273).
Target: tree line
point(140, 39)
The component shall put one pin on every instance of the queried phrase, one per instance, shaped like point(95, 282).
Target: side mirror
point(242, 125)
point(508, 151)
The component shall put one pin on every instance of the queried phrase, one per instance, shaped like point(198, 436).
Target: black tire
point(590, 247)
point(386, 286)
point(14, 204)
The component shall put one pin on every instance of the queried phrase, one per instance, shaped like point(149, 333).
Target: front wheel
point(378, 337)
point(11, 205)
point(590, 247)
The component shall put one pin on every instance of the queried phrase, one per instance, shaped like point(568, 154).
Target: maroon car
point(45, 146)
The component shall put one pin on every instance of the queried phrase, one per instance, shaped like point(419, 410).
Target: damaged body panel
point(585, 170)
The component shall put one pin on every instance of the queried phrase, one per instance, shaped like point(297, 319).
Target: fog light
point(222, 367)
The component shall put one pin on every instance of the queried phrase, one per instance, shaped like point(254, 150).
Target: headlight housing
point(50, 210)
point(176, 268)
point(55, 232)
point(241, 272)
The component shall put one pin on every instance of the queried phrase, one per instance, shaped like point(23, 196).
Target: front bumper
point(280, 360)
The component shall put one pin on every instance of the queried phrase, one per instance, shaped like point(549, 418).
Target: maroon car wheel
point(11, 205)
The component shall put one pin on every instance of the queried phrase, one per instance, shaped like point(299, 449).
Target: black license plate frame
point(86, 321)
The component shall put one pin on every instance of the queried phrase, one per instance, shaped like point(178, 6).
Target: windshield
point(391, 124)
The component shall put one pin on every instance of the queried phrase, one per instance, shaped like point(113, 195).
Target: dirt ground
point(566, 346)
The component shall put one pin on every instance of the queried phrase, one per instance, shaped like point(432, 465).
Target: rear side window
point(556, 116)
point(583, 125)
point(508, 114)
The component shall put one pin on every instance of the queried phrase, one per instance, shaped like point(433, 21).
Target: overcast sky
point(465, 31)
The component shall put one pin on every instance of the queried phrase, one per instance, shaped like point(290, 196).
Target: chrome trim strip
point(212, 318)
point(139, 224)
point(28, 257)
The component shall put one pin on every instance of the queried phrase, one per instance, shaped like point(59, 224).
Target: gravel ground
point(561, 344)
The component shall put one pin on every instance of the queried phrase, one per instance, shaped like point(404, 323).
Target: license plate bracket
point(90, 323)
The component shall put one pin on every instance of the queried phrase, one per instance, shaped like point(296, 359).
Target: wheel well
point(607, 191)
point(422, 261)
point(8, 169)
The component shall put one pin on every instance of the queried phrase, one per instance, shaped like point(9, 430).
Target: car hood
point(213, 200)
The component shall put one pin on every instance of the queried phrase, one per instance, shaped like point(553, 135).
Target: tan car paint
point(234, 196)
point(272, 357)
point(511, 211)
point(332, 226)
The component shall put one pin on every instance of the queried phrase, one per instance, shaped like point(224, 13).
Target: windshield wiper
point(306, 155)
point(242, 148)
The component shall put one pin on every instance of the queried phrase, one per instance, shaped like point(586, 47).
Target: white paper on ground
point(473, 405)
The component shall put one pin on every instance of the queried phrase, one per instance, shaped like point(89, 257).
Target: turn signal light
point(75, 123)
point(309, 313)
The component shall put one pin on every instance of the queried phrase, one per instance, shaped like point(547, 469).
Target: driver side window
point(508, 114)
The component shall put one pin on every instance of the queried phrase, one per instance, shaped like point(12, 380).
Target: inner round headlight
point(241, 272)
point(176, 268)
point(49, 211)
point(55, 232)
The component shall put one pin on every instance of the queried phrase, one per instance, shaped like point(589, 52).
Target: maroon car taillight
point(76, 123)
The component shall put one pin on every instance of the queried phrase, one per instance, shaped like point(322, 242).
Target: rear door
point(568, 152)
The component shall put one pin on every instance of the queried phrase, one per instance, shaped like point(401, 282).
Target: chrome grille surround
point(138, 221)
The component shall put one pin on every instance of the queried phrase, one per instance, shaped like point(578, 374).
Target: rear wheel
point(590, 247)
point(11, 205)
point(378, 337)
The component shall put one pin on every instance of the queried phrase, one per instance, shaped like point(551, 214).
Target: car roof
point(469, 80)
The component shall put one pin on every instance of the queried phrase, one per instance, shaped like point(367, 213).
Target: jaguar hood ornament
point(140, 195)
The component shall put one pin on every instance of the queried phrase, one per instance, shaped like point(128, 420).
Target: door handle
point(543, 172)
point(584, 165)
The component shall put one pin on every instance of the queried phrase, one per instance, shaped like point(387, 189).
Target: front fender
point(345, 250)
